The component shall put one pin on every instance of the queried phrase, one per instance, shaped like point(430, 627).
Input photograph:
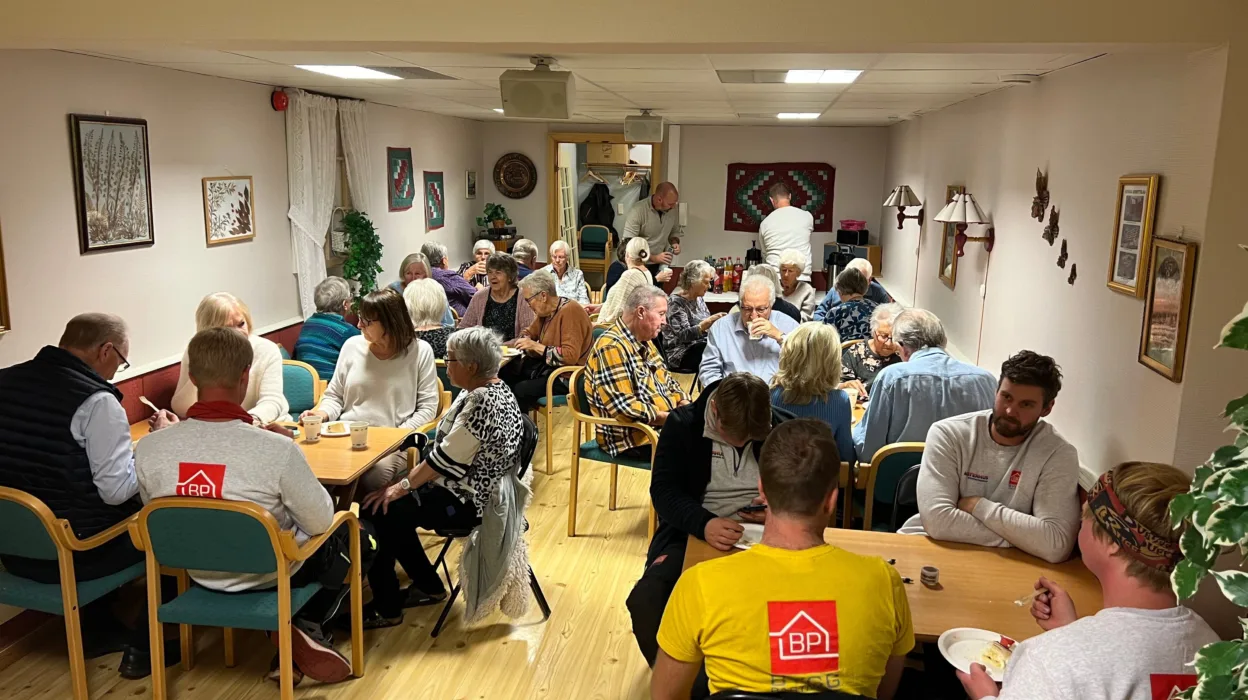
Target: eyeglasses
point(758, 310)
point(450, 359)
point(529, 300)
point(884, 338)
point(125, 364)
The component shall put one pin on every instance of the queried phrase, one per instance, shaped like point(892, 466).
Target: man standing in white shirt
point(786, 228)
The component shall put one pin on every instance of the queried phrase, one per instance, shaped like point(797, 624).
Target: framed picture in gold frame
point(1133, 234)
point(1163, 339)
point(229, 209)
point(948, 271)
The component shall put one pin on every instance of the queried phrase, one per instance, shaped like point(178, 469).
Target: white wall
point(500, 138)
point(1088, 126)
point(198, 127)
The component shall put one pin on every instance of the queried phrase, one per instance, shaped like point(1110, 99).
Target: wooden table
point(332, 460)
point(978, 585)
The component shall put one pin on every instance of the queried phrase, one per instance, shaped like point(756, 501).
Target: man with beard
point(1004, 477)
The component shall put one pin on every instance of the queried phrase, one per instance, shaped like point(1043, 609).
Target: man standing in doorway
point(655, 219)
point(786, 228)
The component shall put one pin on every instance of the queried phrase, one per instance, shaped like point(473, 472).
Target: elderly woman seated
point(525, 253)
point(499, 306)
point(807, 382)
point(322, 335)
point(627, 257)
point(414, 267)
point(426, 304)
point(561, 335)
point(851, 317)
point(793, 290)
point(636, 252)
point(688, 319)
point(569, 280)
point(473, 461)
point(385, 377)
point(265, 399)
point(473, 271)
point(861, 362)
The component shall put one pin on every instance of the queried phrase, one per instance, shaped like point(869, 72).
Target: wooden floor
point(584, 651)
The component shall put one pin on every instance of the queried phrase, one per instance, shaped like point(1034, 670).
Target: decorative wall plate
point(515, 176)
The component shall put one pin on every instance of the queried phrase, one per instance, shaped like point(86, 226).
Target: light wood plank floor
point(585, 650)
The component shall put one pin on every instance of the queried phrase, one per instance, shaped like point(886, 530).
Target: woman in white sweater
point(265, 399)
point(385, 377)
point(636, 253)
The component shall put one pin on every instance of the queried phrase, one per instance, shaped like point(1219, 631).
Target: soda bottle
point(727, 275)
point(737, 271)
point(719, 277)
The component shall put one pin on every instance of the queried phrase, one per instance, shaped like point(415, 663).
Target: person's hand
point(978, 684)
point(382, 498)
point(968, 503)
point(664, 258)
point(477, 268)
point(593, 308)
point(765, 328)
point(660, 418)
point(709, 321)
point(313, 412)
point(856, 385)
point(161, 419)
point(722, 533)
point(529, 345)
point(280, 430)
point(663, 276)
point(675, 247)
point(1053, 609)
point(758, 516)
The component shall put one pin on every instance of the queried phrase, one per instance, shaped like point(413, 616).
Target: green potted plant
point(494, 215)
point(1215, 515)
point(363, 253)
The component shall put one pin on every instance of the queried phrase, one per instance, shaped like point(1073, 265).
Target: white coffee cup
point(359, 435)
point(312, 428)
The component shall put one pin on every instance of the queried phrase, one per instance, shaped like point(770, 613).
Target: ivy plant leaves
point(1186, 578)
point(1234, 585)
point(1235, 333)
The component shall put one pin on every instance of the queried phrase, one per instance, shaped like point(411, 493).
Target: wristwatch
point(405, 484)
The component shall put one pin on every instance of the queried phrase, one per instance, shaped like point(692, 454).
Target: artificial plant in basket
point(363, 253)
point(1215, 515)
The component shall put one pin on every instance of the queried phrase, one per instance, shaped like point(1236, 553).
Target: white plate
point(337, 425)
point(510, 352)
point(753, 535)
point(963, 646)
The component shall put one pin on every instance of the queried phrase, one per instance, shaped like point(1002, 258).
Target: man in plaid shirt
point(628, 378)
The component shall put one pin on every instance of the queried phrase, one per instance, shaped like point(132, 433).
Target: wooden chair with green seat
point(546, 406)
point(594, 248)
point(445, 379)
point(302, 386)
point(235, 536)
point(887, 466)
point(582, 414)
point(32, 531)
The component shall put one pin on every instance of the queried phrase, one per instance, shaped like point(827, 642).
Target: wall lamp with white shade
point(960, 212)
point(901, 197)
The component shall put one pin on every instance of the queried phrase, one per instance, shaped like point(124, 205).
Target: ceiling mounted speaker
point(643, 129)
point(540, 93)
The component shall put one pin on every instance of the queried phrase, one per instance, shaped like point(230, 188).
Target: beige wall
point(1088, 125)
point(528, 214)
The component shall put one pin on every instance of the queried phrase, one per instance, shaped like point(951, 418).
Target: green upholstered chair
point(594, 248)
point(546, 406)
point(32, 531)
point(887, 467)
point(282, 349)
point(446, 380)
point(582, 414)
point(242, 537)
point(301, 385)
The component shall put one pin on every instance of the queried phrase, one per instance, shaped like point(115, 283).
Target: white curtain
point(312, 166)
point(353, 122)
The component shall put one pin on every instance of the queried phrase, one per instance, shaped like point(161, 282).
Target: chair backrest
point(301, 385)
point(594, 237)
point(578, 392)
point(454, 314)
point(887, 467)
point(27, 524)
point(446, 380)
point(528, 443)
point(598, 331)
point(210, 535)
point(848, 343)
point(905, 497)
point(284, 352)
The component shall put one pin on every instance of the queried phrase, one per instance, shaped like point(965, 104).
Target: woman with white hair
point(474, 270)
point(792, 289)
point(688, 319)
point(629, 257)
point(562, 334)
point(426, 304)
point(265, 400)
point(569, 280)
point(861, 362)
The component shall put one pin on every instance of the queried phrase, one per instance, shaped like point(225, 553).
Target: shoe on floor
point(413, 597)
point(275, 671)
point(136, 663)
point(374, 620)
point(317, 661)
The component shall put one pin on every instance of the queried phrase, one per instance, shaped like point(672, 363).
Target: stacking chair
point(848, 343)
point(594, 248)
point(302, 386)
point(446, 380)
point(31, 530)
point(235, 536)
point(905, 496)
point(578, 401)
point(887, 467)
point(589, 294)
point(546, 406)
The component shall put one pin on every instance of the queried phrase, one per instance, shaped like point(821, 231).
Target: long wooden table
point(978, 585)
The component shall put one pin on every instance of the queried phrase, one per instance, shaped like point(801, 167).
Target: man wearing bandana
point(1003, 477)
point(1139, 645)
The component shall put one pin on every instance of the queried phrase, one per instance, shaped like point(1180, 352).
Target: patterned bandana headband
point(1141, 543)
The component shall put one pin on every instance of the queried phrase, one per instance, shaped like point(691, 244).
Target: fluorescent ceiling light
point(498, 109)
point(797, 115)
point(840, 77)
point(351, 72)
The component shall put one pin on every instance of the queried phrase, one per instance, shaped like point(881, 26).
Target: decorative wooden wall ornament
point(515, 176)
point(1051, 231)
point(1061, 259)
point(1071, 280)
point(1041, 201)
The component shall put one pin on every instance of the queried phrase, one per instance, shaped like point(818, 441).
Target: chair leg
point(186, 633)
point(73, 639)
point(357, 603)
point(285, 656)
point(550, 437)
point(576, 471)
point(615, 477)
point(155, 631)
point(441, 560)
point(446, 610)
point(228, 634)
point(537, 593)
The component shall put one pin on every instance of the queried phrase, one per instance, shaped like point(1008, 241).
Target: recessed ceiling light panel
point(797, 115)
point(351, 72)
point(838, 77)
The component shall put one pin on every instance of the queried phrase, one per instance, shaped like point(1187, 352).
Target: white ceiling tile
point(260, 73)
point(927, 88)
point(443, 85)
point(929, 76)
point(715, 88)
point(1019, 63)
point(783, 88)
point(326, 58)
point(577, 62)
point(167, 56)
point(638, 75)
point(778, 106)
point(485, 60)
point(790, 61)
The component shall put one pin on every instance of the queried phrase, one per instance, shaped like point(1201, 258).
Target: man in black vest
point(65, 440)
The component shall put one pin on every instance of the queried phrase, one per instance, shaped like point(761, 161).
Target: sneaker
point(275, 671)
point(316, 660)
point(413, 597)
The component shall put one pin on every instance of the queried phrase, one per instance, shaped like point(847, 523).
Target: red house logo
point(804, 637)
point(1168, 685)
point(200, 480)
point(1014, 478)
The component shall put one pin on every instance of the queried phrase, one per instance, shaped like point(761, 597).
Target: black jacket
point(682, 470)
point(596, 209)
point(788, 309)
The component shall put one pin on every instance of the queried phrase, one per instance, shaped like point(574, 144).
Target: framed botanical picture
point(112, 182)
point(1133, 233)
point(948, 249)
point(1163, 339)
point(229, 209)
point(400, 182)
point(435, 201)
point(470, 184)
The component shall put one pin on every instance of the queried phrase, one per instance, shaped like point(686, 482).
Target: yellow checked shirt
point(628, 378)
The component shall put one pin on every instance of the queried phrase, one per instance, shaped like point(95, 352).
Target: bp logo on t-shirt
point(804, 637)
point(1165, 686)
point(200, 480)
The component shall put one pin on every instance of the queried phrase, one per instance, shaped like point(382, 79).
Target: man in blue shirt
point(875, 290)
point(747, 341)
point(928, 386)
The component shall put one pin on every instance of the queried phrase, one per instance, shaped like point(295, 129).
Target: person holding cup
point(474, 270)
point(748, 340)
point(385, 377)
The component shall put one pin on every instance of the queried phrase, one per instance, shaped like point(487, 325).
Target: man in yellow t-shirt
point(793, 613)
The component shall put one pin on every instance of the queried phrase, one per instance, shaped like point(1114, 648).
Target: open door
point(567, 199)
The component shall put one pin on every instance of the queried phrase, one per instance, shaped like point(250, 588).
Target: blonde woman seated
point(385, 377)
point(265, 399)
point(636, 253)
point(806, 383)
point(415, 268)
point(474, 270)
point(793, 290)
point(426, 304)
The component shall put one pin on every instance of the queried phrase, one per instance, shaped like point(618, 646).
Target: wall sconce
point(902, 197)
point(961, 211)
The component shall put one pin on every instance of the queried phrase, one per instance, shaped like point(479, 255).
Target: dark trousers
point(648, 599)
point(529, 384)
point(329, 566)
point(431, 507)
point(691, 359)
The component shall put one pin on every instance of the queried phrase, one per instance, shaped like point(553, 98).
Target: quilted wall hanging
point(400, 182)
point(435, 201)
point(746, 202)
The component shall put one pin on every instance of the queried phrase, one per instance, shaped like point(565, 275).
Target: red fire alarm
point(280, 100)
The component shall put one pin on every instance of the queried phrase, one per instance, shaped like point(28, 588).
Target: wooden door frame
point(553, 139)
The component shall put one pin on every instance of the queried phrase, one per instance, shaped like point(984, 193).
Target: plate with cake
point(963, 646)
